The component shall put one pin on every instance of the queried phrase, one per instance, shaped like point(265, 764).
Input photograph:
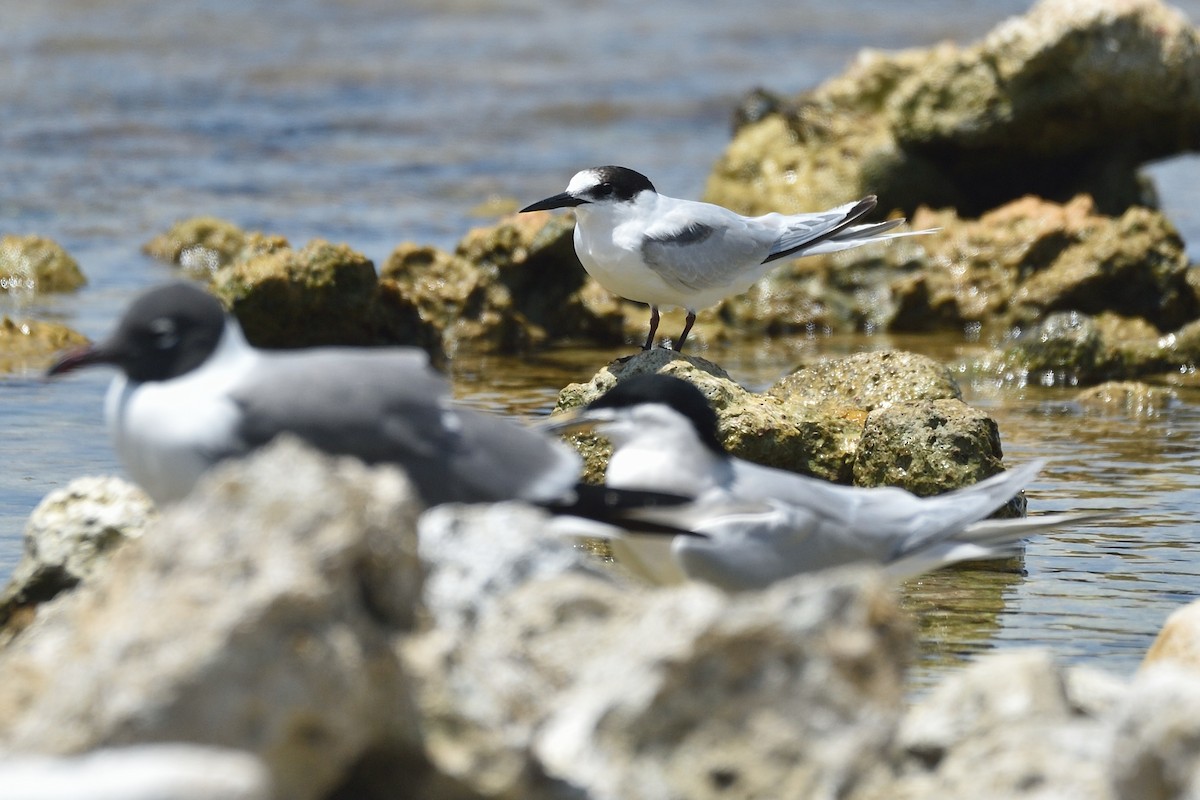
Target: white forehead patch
point(583, 180)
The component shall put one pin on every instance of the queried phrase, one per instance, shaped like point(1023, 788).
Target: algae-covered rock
point(1130, 398)
point(321, 294)
point(799, 426)
point(869, 380)
point(1070, 98)
point(36, 265)
point(32, 345)
point(927, 445)
point(508, 287)
point(203, 245)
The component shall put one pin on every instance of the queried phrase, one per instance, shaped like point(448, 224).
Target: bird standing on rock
point(671, 253)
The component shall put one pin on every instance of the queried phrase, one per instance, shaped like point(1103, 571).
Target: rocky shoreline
point(322, 637)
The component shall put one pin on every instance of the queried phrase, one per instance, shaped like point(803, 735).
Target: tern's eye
point(602, 190)
point(163, 333)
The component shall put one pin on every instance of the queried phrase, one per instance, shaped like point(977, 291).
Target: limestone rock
point(790, 692)
point(1005, 727)
point(146, 772)
point(31, 345)
point(869, 380)
point(69, 537)
point(925, 446)
point(758, 427)
point(36, 265)
point(949, 125)
point(508, 287)
point(258, 614)
point(202, 245)
point(1156, 746)
point(1178, 643)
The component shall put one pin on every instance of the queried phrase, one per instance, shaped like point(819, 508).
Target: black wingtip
point(619, 507)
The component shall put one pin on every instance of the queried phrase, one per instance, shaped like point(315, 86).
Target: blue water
point(374, 122)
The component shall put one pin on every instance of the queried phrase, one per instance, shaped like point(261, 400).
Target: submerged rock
point(36, 265)
point(202, 245)
point(1131, 398)
point(31, 345)
point(1107, 87)
point(69, 537)
point(839, 420)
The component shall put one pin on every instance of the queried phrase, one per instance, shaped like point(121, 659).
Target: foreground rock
point(1178, 643)
point(544, 677)
point(950, 126)
point(148, 772)
point(882, 418)
point(257, 615)
point(29, 345)
point(35, 265)
point(70, 536)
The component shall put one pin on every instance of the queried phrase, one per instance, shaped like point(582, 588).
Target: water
point(373, 122)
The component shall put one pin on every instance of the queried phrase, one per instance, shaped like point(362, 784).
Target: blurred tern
point(670, 253)
point(762, 524)
point(191, 392)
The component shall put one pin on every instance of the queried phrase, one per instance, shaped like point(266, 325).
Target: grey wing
point(707, 247)
point(388, 406)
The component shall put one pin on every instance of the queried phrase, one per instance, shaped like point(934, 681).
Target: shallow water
point(373, 122)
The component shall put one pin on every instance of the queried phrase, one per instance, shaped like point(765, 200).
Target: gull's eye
point(164, 333)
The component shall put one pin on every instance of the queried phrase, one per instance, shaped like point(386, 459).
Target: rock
point(258, 614)
point(758, 427)
point(202, 245)
point(147, 772)
point(506, 288)
point(70, 535)
point(513, 614)
point(812, 421)
point(1065, 348)
point(31, 345)
point(1130, 398)
point(322, 294)
point(36, 265)
point(1006, 726)
point(1178, 643)
point(949, 125)
point(926, 446)
point(868, 381)
point(790, 692)
point(1156, 746)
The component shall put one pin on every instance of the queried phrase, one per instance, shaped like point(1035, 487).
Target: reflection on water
point(1096, 592)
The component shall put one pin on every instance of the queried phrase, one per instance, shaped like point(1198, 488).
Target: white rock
point(147, 772)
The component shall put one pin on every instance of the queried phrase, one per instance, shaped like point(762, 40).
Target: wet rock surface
point(871, 419)
point(30, 345)
point(31, 265)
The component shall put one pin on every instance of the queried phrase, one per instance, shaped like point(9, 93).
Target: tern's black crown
point(670, 391)
point(619, 183)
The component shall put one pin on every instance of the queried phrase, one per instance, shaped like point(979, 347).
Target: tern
point(760, 524)
point(672, 253)
point(191, 391)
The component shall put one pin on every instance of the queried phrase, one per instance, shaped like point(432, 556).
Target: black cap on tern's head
point(675, 393)
point(166, 332)
point(597, 185)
